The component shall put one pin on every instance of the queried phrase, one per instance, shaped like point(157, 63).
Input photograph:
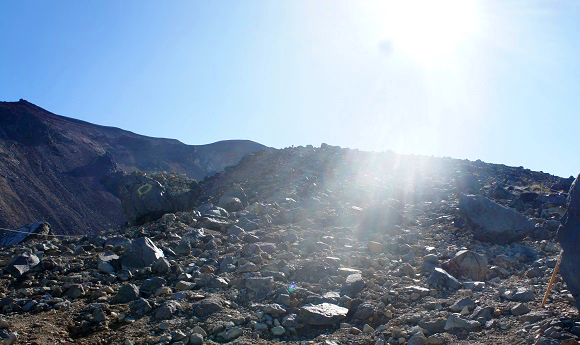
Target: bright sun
point(429, 30)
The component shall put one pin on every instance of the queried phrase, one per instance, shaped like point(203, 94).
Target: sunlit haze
point(490, 80)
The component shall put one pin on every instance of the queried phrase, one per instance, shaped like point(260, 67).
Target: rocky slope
point(51, 166)
point(311, 246)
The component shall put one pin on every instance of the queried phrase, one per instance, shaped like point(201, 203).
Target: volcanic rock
point(141, 253)
point(493, 222)
point(456, 322)
point(354, 284)
point(569, 238)
point(20, 265)
point(469, 264)
point(440, 279)
point(126, 294)
point(145, 198)
point(207, 307)
point(322, 314)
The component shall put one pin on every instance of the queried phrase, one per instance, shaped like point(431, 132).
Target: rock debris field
point(310, 246)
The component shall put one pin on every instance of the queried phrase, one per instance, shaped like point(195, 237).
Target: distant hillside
point(50, 166)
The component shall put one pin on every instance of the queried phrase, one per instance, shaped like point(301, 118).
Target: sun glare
point(428, 30)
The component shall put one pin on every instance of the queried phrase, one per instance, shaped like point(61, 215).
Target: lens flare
point(292, 288)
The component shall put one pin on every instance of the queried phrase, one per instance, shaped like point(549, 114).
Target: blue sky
point(496, 80)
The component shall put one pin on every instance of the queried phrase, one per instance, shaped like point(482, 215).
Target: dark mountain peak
point(51, 166)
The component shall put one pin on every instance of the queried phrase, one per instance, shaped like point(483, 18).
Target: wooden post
point(552, 280)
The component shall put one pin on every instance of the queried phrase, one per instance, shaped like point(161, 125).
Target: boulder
point(440, 279)
point(141, 253)
point(569, 238)
point(20, 265)
point(166, 310)
point(469, 264)
point(207, 307)
point(322, 314)
point(151, 285)
point(493, 222)
point(353, 284)
point(126, 294)
point(140, 307)
point(455, 322)
point(261, 286)
point(147, 198)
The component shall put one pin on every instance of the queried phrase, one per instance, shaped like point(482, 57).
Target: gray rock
point(207, 307)
point(231, 333)
point(183, 285)
point(534, 316)
point(151, 285)
point(417, 339)
point(126, 294)
point(440, 279)
point(520, 295)
point(261, 286)
point(493, 222)
point(462, 303)
point(482, 314)
point(433, 325)
point(469, 264)
point(99, 315)
point(118, 241)
point(105, 267)
point(535, 272)
point(177, 335)
point(145, 199)
point(218, 283)
point(248, 267)
point(20, 265)
point(161, 266)
point(215, 224)
point(563, 184)
point(274, 309)
point(553, 199)
point(520, 309)
point(236, 230)
point(196, 339)
point(322, 314)
point(278, 331)
point(75, 291)
point(353, 284)
point(569, 238)
point(166, 310)
point(456, 322)
point(291, 321)
point(364, 311)
point(183, 248)
point(141, 253)
point(140, 307)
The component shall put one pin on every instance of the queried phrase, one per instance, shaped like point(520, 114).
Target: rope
point(37, 234)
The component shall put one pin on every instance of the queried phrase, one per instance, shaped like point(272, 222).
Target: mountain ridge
point(48, 167)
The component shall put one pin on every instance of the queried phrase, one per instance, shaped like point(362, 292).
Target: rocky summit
point(310, 245)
